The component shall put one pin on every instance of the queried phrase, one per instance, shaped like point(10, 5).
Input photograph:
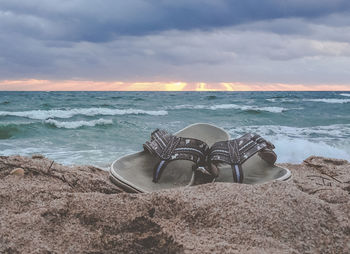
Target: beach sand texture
point(50, 208)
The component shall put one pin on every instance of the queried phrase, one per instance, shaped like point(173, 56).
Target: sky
point(199, 45)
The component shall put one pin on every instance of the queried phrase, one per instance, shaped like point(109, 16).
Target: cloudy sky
point(174, 45)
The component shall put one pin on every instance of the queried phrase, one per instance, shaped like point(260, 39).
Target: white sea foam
point(227, 106)
point(231, 106)
point(17, 123)
point(345, 94)
point(295, 144)
point(297, 150)
point(329, 100)
point(188, 106)
point(282, 100)
point(289, 100)
point(271, 109)
point(339, 131)
point(60, 113)
point(78, 124)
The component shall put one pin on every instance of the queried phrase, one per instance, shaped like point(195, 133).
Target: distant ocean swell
point(11, 129)
point(60, 113)
point(231, 106)
point(333, 101)
point(68, 113)
point(336, 131)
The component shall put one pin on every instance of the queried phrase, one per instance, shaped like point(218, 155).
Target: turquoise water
point(98, 127)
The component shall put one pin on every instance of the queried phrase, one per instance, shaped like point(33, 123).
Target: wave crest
point(78, 124)
point(341, 101)
point(294, 144)
point(60, 113)
point(232, 106)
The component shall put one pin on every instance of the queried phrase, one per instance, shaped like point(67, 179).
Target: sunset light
point(76, 85)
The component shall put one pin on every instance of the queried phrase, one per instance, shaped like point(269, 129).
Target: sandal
point(170, 160)
point(250, 158)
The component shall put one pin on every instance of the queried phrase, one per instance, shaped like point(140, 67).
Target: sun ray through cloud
point(79, 85)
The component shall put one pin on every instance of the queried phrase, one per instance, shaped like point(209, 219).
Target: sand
point(49, 208)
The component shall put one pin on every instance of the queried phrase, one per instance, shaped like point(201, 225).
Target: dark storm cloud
point(97, 21)
point(188, 40)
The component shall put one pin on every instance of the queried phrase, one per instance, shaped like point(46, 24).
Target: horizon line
point(163, 91)
point(38, 85)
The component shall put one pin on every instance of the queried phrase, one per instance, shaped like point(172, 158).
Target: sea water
point(98, 127)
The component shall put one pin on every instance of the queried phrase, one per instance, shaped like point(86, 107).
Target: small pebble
point(17, 172)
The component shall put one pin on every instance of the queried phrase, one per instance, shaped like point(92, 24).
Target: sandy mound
point(52, 208)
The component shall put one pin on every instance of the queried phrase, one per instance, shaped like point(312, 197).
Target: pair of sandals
point(198, 154)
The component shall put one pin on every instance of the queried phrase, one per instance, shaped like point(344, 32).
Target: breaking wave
point(79, 124)
point(296, 150)
point(232, 106)
point(294, 144)
point(334, 131)
point(60, 113)
point(329, 100)
point(345, 94)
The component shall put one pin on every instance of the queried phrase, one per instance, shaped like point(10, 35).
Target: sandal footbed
point(136, 170)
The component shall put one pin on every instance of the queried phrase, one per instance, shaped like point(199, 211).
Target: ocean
point(98, 127)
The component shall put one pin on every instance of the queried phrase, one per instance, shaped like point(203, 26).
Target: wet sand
point(49, 208)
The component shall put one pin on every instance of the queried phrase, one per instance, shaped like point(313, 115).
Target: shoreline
point(50, 207)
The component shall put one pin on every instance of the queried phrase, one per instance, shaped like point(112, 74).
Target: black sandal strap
point(236, 152)
point(167, 147)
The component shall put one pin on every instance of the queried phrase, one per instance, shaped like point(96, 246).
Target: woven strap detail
point(168, 148)
point(235, 152)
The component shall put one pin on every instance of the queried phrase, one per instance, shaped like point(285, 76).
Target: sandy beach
point(50, 208)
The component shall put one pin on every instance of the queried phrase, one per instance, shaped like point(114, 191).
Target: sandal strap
point(167, 148)
point(235, 152)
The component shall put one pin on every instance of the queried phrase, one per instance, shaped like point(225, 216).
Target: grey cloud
point(305, 29)
point(210, 41)
point(222, 55)
point(99, 21)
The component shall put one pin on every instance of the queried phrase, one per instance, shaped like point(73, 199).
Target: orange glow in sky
point(73, 85)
